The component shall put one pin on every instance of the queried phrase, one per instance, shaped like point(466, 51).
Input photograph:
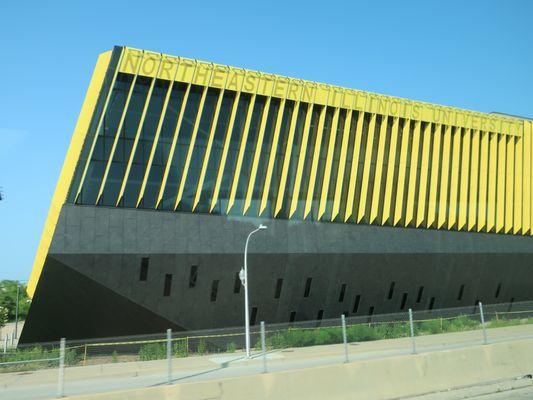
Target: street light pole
point(243, 275)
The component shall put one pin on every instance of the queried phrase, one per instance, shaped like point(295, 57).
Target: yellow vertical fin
point(526, 167)
point(483, 181)
point(402, 172)
point(424, 169)
point(474, 177)
point(500, 196)
point(376, 190)
point(410, 209)
point(493, 170)
point(272, 157)
point(465, 168)
point(342, 165)
point(240, 156)
point(509, 185)
point(518, 176)
point(389, 179)
point(314, 165)
point(329, 164)
point(366, 167)
point(434, 179)
point(445, 173)
point(355, 165)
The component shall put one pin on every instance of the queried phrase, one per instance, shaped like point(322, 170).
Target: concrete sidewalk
point(99, 378)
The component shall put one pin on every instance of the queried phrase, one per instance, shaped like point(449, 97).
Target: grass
point(35, 353)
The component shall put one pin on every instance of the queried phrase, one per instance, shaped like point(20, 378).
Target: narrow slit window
point(356, 303)
point(498, 290)
point(370, 313)
point(420, 292)
point(308, 287)
point(292, 317)
point(319, 316)
point(144, 269)
point(168, 285)
point(253, 317)
point(342, 292)
point(279, 285)
point(404, 301)
point(461, 291)
point(214, 290)
point(193, 276)
point(431, 303)
point(391, 289)
point(237, 284)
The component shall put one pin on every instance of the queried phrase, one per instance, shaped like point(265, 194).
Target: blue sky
point(471, 54)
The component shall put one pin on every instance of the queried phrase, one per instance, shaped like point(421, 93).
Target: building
point(374, 204)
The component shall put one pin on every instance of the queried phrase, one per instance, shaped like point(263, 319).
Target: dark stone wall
point(105, 246)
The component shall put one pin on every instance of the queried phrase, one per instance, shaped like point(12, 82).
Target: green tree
point(8, 299)
point(3, 316)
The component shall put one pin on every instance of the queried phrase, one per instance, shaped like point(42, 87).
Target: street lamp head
point(261, 226)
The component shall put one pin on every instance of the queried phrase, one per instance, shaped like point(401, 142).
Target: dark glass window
point(193, 276)
point(292, 317)
point(180, 151)
point(356, 303)
point(104, 141)
point(214, 290)
point(168, 285)
point(370, 313)
point(237, 283)
point(461, 291)
point(342, 292)
point(420, 292)
point(391, 290)
point(498, 289)
point(143, 276)
point(308, 287)
point(125, 141)
point(253, 317)
point(145, 143)
point(279, 284)
point(404, 301)
point(164, 143)
point(431, 303)
point(319, 315)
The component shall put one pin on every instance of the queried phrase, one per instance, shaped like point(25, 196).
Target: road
point(40, 385)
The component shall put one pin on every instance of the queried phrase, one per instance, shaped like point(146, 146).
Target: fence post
point(483, 323)
point(412, 328)
point(169, 356)
point(344, 338)
point(263, 346)
point(61, 380)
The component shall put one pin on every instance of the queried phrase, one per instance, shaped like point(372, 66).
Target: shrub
point(180, 348)
point(202, 347)
point(231, 347)
point(153, 351)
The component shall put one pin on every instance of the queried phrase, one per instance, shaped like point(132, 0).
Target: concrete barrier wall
point(372, 379)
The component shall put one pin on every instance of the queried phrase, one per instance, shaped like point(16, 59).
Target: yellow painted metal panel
point(287, 159)
point(493, 170)
point(410, 208)
point(389, 179)
point(434, 179)
point(173, 145)
point(526, 192)
point(355, 165)
point(225, 151)
point(465, 168)
point(518, 179)
point(155, 142)
point(115, 140)
point(474, 177)
point(191, 147)
point(272, 157)
point(99, 126)
point(402, 172)
point(329, 164)
point(314, 165)
point(240, 156)
point(445, 173)
point(366, 167)
point(483, 181)
point(376, 191)
point(342, 165)
point(69, 166)
point(500, 196)
point(424, 169)
point(301, 160)
point(454, 182)
point(208, 150)
point(509, 185)
point(257, 155)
